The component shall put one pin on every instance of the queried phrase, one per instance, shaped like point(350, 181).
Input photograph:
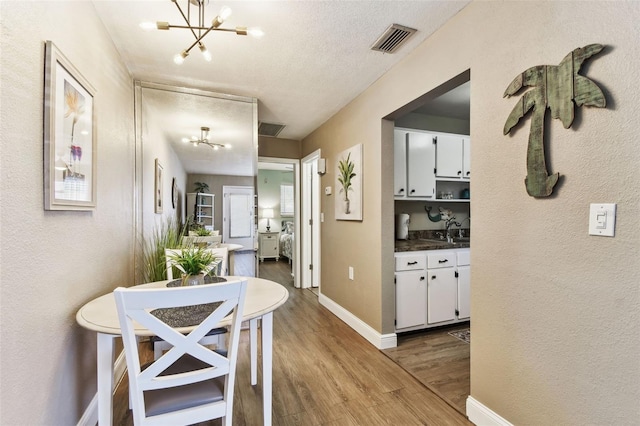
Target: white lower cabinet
point(432, 288)
point(464, 285)
point(411, 293)
point(441, 295)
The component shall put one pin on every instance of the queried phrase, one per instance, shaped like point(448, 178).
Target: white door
point(310, 197)
point(238, 216)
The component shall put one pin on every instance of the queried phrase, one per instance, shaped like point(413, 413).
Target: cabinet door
point(399, 163)
point(420, 164)
point(449, 156)
point(441, 295)
point(411, 295)
point(464, 292)
point(268, 245)
point(466, 158)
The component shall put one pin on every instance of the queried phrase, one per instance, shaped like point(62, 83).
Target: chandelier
point(198, 29)
point(204, 139)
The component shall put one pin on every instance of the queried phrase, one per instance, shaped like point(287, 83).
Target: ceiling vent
point(393, 38)
point(269, 129)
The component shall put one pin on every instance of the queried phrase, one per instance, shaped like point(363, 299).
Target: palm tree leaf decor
point(558, 88)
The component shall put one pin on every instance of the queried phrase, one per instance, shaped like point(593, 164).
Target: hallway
point(324, 374)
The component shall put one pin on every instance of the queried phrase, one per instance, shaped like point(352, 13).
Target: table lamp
point(268, 214)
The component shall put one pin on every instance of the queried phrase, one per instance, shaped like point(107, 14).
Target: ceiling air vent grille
point(269, 129)
point(393, 38)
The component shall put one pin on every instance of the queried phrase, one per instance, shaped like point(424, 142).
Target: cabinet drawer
point(410, 263)
point(464, 258)
point(441, 260)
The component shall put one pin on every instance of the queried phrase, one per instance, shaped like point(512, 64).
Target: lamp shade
point(267, 213)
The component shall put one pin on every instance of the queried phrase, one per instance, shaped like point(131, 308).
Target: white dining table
point(262, 298)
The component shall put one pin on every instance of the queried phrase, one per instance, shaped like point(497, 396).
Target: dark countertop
point(425, 244)
point(430, 240)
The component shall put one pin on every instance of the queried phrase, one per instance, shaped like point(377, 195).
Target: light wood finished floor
point(439, 361)
point(324, 373)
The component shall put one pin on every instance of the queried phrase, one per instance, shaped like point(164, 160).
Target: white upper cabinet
point(466, 157)
point(399, 163)
point(451, 161)
point(421, 181)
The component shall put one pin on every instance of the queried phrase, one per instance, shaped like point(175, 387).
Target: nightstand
point(268, 245)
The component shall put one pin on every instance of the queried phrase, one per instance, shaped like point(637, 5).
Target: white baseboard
point(481, 415)
point(90, 415)
point(380, 341)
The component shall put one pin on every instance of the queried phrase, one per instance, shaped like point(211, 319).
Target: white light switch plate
point(327, 190)
point(602, 219)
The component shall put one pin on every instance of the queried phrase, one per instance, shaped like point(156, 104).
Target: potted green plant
point(202, 232)
point(168, 234)
point(194, 263)
point(345, 170)
point(201, 187)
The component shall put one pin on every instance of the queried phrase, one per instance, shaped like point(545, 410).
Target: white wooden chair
point(215, 336)
point(190, 383)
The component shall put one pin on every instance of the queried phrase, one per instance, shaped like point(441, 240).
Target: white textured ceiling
point(314, 58)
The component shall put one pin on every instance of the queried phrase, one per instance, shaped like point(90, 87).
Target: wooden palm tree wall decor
point(557, 88)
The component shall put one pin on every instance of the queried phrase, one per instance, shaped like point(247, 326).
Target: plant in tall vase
point(345, 170)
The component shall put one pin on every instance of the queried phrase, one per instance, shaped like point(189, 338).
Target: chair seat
point(163, 401)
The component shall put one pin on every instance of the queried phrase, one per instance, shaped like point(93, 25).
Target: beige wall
point(53, 262)
point(555, 311)
point(278, 148)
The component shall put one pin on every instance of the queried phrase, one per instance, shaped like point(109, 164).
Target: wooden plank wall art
point(556, 87)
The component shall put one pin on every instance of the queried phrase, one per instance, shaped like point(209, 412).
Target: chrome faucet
point(448, 224)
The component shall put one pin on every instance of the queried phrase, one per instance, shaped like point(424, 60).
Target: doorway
point(311, 219)
point(276, 176)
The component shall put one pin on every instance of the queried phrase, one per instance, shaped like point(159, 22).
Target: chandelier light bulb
point(205, 53)
point(255, 32)
point(225, 12)
point(148, 26)
point(179, 58)
point(185, 140)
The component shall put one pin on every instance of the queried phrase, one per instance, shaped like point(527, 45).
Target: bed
point(286, 240)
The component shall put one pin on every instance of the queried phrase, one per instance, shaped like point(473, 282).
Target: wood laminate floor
point(324, 373)
point(439, 361)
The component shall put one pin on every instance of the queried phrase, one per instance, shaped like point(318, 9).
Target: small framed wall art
point(348, 202)
point(69, 136)
point(158, 188)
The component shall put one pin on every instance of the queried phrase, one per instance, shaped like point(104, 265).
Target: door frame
point(310, 220)
point(296, 215)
